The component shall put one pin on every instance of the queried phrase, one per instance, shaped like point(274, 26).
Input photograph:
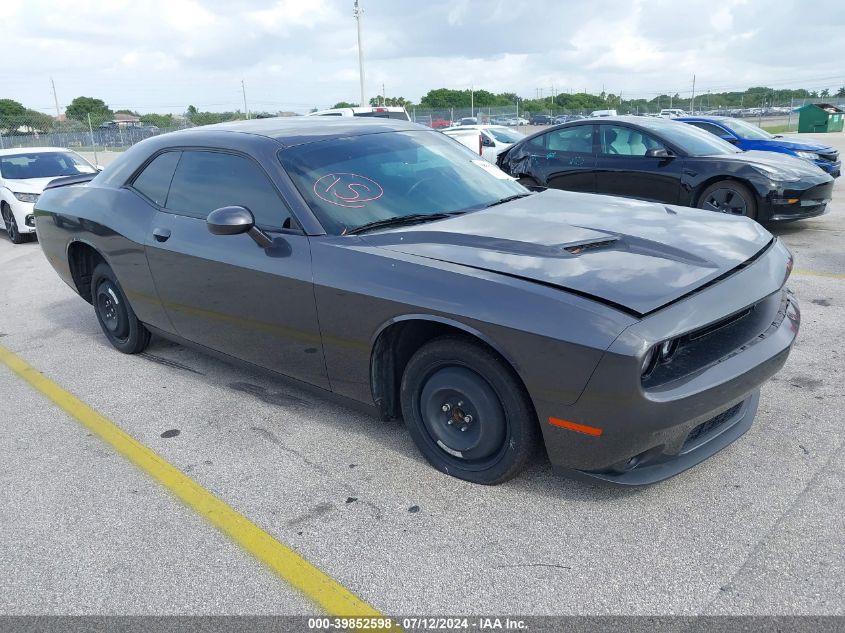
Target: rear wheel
point(12, 226)
point(727, 196)
point(467, 412)
point(117, 319)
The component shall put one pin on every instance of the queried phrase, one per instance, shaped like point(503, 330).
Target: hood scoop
point(577, 249)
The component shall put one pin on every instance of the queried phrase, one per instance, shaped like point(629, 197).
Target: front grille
point(705, 428)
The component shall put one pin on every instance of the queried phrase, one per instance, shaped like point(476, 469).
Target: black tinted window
point(154, 181)
point(578, 139)
point(709, 127)
point(205, 181)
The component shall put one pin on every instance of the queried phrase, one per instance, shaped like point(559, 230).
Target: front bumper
point(796, 203)
point(651, 432)
point(24, 216)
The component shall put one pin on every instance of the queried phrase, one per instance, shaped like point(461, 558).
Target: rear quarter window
point(154, 181)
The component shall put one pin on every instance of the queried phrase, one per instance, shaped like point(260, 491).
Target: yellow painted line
point(816, 273)
point(320, 588)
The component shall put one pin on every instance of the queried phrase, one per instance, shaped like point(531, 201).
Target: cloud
point(161, 55)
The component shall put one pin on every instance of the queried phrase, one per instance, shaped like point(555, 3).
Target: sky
point(162, 55)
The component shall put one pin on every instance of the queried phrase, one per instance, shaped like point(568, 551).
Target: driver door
point(226, 292)
point(623, 167)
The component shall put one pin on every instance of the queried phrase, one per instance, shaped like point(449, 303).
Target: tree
point(841, 92)
point(81, 107)
point(345, 104)
point(38, 121)
point(158, 120)
point(11, 114)
point(400, 102)
point(130, 112)
point(825, 93)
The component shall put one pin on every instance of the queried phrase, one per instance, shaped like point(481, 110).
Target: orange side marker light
point(572, 426)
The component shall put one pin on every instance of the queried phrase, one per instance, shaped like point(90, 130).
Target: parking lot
point(757, 529)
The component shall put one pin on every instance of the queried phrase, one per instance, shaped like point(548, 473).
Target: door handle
point(161, 235)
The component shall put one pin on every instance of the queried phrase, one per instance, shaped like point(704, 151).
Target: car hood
point(788, 167)
point(795, 146)
point(29, 185)
point(636, 256)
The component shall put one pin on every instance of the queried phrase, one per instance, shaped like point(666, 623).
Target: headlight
point(777, 174)
point(808, 155)
point(659, 354)
point(649, 362)
point(26, 197)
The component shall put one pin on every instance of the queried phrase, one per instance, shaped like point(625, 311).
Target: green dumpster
point(820, 117)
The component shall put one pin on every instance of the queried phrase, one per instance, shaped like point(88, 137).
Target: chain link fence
point(115, 133)
point(104, 133)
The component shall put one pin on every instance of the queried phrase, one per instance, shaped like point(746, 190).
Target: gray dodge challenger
point(386, 264)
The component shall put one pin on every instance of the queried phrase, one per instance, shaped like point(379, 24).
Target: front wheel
point(117, 319)
point(728, 196)
point(12, 226)
point(467, 412)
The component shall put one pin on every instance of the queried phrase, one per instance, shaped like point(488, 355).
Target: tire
point(15, 235)
point(117, 319)
point(484, 397)
point(722, 197)
point(528, 181)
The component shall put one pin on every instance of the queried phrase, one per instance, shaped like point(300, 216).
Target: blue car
point(750, 137)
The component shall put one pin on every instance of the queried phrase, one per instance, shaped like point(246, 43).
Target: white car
point(379, 112)
point(495, 139)
point(24, 172)
point(672, 113)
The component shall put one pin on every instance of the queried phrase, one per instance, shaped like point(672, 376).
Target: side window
point(709, 127)
point(154, 181)
point(578, 139)
point(623, 141)
point(205, 181)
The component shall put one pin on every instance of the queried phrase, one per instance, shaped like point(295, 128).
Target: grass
point(779, 129)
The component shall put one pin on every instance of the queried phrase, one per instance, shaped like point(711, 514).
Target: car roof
point(31, 150)
point(304, 129)
point(714, 118)
point(474, 126)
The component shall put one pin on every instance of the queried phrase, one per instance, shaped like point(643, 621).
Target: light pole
point(358, 11)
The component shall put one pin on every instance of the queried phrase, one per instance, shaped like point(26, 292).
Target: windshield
point(746, 130)
point(349, 182)
point(504, 135)
point(43, 165)
point(692, 140)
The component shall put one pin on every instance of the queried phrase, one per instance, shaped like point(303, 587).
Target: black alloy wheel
point(728, 197)
point(12, 226)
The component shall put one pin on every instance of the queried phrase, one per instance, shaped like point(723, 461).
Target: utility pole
point(357, 12)
point(91, 132)
point(243, 89)
point(383, 95)
point(472, 100)
point(55, 98)
point(692, 101)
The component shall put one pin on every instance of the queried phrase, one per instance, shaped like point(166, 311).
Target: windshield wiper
point(401, 220)
point(516, 196)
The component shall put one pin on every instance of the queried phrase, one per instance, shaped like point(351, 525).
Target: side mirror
point(236, 220)
point(658, 152)
point(486, 142)
point(730, 139)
